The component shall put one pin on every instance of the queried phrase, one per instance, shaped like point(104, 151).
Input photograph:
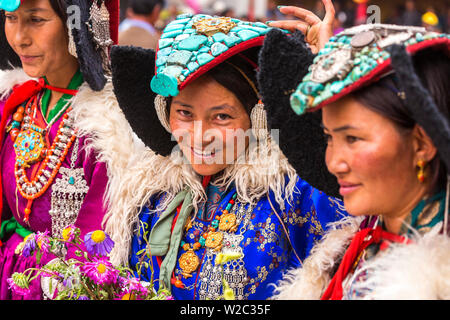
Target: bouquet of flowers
point(89, 277)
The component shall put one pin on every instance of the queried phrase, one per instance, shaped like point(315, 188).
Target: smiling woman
point(53, 86)
point(218, 212)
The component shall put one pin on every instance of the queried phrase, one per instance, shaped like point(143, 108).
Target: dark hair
point(144, 7)
point(60, 7)
point(433, 69)
point(229, 76)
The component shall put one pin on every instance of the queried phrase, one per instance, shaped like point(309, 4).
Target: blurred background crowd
point(143, 20)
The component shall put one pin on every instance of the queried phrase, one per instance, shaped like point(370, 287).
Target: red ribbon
point(360, 242)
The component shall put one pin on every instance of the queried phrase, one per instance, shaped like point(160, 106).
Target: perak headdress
point(89, 41)
point(364, 54)
point(189, 47)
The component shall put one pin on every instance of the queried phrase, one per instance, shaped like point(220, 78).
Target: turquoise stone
point(310, 88)
point(192, 66)
point(181, 37)
point(326, 93)
point(356, 73)
point(261, 25)
point(164, 52)
point(419, 37)
point(219, 36)
point(204, 49)
point(161, 61)
point(180, 57)
point(163, 43)
point(72, 180)
point(174, 71)
point(184, 16)
point(165, 85)
point(189, 31)
point(204, 58)
point(9, 5)
point(298, 103)
point(237, 29)
point(173, 27)
point(257, 29)
point(192, 43)
point(218, 48)
point(171, 34)
point(337, 86)
point(247, 34)
point(231, 40)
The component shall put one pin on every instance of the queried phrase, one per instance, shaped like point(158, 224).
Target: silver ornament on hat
point(98, 25)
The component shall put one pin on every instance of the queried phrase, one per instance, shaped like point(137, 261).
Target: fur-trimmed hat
point(189, 47)
point(360, 56)
point(91, 39)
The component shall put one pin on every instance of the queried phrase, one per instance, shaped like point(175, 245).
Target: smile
point(203, 153)
point(346, 187)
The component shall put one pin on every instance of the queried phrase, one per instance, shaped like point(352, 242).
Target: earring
point(258, 118)
point(72, 46)
point(161, 112)
point(421, 174)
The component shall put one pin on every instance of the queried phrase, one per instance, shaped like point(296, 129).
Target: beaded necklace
point(31, 147)
point(224, 221)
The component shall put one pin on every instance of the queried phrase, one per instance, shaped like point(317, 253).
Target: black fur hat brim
point(420, 104)
point(132, 70)
point(283, 62)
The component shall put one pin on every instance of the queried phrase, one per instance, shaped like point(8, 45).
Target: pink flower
point(43, 241)
point(101, 271)
point(134, 286)
point(18, 283)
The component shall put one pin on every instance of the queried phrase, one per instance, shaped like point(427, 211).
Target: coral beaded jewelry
point(30, 145)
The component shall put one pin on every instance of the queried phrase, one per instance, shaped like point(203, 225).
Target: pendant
point(189, 262)
point(228, 222)
point(30, 146)
point(214, 240)
point(68, 193)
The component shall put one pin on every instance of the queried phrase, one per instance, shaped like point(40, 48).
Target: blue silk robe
point(261, 242)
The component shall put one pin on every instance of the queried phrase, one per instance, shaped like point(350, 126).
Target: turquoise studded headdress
point(192, 45)
point(357, 57)
point(9, 5)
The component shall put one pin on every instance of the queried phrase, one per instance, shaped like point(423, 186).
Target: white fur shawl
point(420, 270)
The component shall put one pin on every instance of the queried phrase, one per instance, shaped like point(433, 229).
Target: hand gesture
point(317, 32)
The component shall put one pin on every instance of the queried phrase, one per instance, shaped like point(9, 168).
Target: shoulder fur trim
point(11, 78)
point(420, 270)
point(98, 116)
point(310, 281)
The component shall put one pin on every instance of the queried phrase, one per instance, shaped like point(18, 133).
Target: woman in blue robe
point(207, 228)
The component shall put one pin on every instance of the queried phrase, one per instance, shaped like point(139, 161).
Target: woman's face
point(210, 125)
point(374, 162)
point(38, 36)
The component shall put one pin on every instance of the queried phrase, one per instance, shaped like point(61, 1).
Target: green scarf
point(163, 242)
point(74, 84)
